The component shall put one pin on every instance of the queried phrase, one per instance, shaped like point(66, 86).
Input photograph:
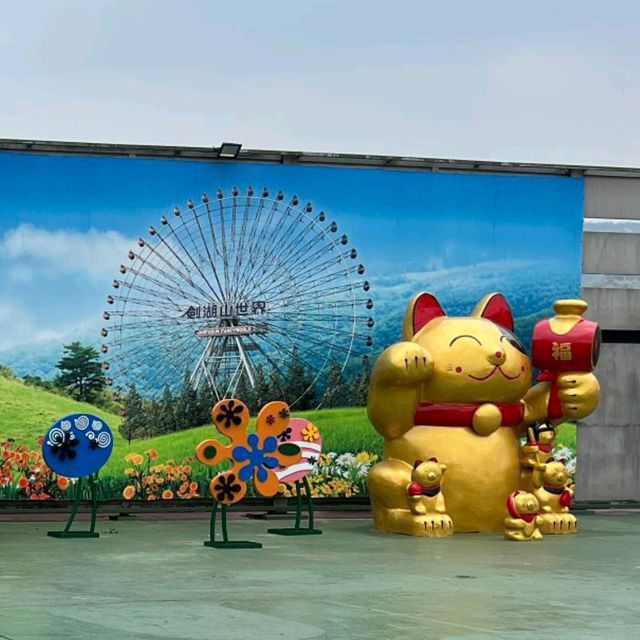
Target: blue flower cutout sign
point(256, 457)
point(77, 445)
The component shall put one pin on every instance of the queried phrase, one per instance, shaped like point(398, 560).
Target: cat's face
point(526, 503)
point(556, 474)
point(474, 360)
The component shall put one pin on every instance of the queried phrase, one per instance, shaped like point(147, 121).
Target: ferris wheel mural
point(238, 282)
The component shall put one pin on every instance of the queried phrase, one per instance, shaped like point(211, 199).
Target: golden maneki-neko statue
point(457, 392)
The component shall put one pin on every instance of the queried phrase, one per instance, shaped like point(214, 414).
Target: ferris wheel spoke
point(141, 289)
point(137, 307)
point(310, 267)
point(305, 280)
point(173, 234)
point(316, 298)
point(318, 339)
point(256, 225)
point(313, 367)
point(196, 217)
point(341, 318)
point(142, 327)
point(124, 301)
point(159, 283)
point(277, 250)
point(160, 378)
point(316, 374)
point(257, 240)
point(243, 229)
point(212, 228)
point(255, 222)
point(261, 223)
point(235, 233)
point(297, 245)
point(293, 245)
point(224, 244)
point(144, 290)
point(150, 333)
point(278, 348)
point(184, 227)
point(154, 253)
point(163, 242)
point(288, 224)
point(136, 364)
point(334, 261)
point(311, 293)
point(315, 333)
point(153, 313)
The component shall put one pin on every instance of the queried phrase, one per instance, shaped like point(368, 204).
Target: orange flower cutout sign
point(254, 455)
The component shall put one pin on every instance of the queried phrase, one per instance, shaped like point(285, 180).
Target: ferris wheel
point(234, 285)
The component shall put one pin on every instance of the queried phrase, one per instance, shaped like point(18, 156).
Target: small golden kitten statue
point(551, 488)
point(523, 522)
point(426, 499)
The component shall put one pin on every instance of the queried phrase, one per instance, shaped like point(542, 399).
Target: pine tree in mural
point(260, 390)
point(134, 424)
point(206, 402)
point(359, 387)
point(80, 372)
point(297, 381)
point(152, 412)
point(186, 406)
point(246, 393)
point(274, 384)
point(167, 417)
point(336, 392)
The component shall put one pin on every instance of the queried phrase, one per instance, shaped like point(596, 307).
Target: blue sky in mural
point(68, 222)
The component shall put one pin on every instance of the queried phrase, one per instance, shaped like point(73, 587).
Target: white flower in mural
point(346, 459)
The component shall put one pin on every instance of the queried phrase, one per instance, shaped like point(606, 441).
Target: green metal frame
point(225, 543)
point(297, 529)
point(66, 532)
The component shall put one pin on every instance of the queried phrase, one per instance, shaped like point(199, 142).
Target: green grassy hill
point(26, 413)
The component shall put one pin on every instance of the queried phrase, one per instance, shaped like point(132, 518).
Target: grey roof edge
point(272, 156)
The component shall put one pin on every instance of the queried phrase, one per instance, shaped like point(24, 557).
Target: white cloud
point(94, 254)
point(18, 326)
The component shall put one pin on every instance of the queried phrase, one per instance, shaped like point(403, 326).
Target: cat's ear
point(495, 307)
point(421, 310)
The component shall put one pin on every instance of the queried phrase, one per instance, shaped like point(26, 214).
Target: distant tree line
point(169, 413)
point(81, 377)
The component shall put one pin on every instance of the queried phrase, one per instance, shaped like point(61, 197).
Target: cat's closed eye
point(465, 335)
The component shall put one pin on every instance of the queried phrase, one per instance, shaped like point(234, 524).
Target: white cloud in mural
point(18, 325)
point(92, 254)
point(55, 283)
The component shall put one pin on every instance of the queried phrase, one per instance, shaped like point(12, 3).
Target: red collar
point(461, 415)
point(416, 489)
point(515, 513)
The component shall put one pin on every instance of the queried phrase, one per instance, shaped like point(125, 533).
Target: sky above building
point(534, 82)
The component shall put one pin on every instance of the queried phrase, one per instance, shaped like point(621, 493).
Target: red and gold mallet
point(566, 342)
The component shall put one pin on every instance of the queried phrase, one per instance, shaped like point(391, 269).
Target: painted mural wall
point(284, 282)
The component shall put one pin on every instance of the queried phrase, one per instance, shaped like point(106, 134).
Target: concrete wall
point(609, 440)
